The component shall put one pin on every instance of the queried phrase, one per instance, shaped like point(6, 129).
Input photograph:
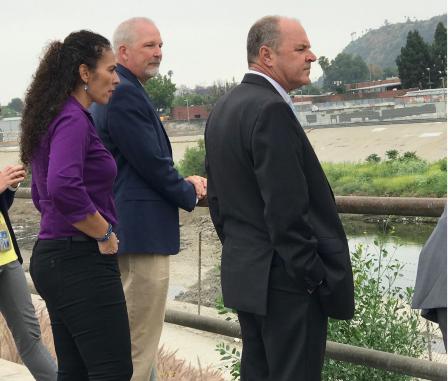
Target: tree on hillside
point(438, 51)
point(161, 91)
point(345, 68)
point(16, 104)
point(414, 62)
point(324, 63)
point(375, 72)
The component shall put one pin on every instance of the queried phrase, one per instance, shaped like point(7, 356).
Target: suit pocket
point(336, 294)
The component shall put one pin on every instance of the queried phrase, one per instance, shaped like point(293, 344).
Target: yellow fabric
point(10, 255)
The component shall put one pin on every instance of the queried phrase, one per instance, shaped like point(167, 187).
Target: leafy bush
point(408, 155)
point(442, 164)
point(406, 176)
point(373, 158)
point(383, 319)
point(193, 161)
point(231, 358)
point(392, 154)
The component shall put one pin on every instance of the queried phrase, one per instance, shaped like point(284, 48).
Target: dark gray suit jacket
point(270, 201)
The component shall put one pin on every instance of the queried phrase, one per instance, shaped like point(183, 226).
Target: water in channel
point(403, 239)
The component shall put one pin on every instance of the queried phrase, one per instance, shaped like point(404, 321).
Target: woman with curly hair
point(73, 265)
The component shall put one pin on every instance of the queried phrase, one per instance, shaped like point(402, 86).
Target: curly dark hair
point(55, 79)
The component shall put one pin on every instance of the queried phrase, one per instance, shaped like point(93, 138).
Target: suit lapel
point(160, 129)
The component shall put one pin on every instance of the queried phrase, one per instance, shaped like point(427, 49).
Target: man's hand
point(11, 175)
point(200, 185)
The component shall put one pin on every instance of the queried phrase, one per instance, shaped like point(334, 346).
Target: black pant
point(288, 344)
point(87, 308)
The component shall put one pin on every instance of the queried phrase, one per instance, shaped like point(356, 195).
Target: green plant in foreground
point(231, 359)
point(383, 319)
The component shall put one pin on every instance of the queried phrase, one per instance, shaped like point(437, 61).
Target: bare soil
point(184, 266)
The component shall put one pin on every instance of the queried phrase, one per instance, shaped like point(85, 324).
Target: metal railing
point(401, 206)
point(408, 206)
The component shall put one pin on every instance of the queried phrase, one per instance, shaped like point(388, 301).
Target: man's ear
point(84, 73)
point(265, 55)
point(123, 52)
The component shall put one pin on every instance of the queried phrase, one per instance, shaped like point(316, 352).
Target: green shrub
point(409, 155)
point(442, 164)
point(408, 176)
point(373, 158)
point(193, 161)
point(392, 154)
point(383, 319)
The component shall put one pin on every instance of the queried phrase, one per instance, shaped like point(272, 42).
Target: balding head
point(279, 47)
point(127, 32)
point(266, 32)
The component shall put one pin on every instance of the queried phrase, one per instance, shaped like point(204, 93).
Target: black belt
point(76, 238)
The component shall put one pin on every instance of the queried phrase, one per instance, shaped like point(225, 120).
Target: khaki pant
point(145, 279)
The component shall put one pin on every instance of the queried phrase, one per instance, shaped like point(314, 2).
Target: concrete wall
point(381, 112)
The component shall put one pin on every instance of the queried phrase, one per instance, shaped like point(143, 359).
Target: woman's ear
point(84, 73)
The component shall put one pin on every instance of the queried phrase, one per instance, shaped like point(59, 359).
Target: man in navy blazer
point(148, 190)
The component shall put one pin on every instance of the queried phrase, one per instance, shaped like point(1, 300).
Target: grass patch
point(406, 178)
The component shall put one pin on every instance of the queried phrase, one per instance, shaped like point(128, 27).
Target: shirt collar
point(276, 85)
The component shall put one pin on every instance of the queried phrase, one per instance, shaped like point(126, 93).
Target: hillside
point(381, 46)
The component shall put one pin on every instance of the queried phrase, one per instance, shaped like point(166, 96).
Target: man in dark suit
point(285, 261)
point(148, 189)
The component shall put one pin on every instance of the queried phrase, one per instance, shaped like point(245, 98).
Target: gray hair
point(265, 31)
point(125, 32)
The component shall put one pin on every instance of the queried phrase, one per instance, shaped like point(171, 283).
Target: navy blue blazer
point(6, 199)
point(148, 189)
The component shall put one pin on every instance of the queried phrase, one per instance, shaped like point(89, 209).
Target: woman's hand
point(11, 175)
point(109, 247)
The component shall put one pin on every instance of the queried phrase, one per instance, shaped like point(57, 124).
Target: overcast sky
point(204, 40)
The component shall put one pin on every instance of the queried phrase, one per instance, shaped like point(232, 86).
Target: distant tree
point(7, 112)
point(219, 88)
point(191, 98)
point(390, 71)
point(161, 91)
point(16, 104)
point(345, 68)
point(438, 52)
point(375, 72)
point(413, 62)
point(310, 89)
point(324, 63)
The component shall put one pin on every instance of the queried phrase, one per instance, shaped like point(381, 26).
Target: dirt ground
point(183, 267)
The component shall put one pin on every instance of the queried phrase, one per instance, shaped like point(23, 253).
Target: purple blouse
point(72, 174)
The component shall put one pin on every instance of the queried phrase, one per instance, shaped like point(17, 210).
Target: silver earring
point(86, 87)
